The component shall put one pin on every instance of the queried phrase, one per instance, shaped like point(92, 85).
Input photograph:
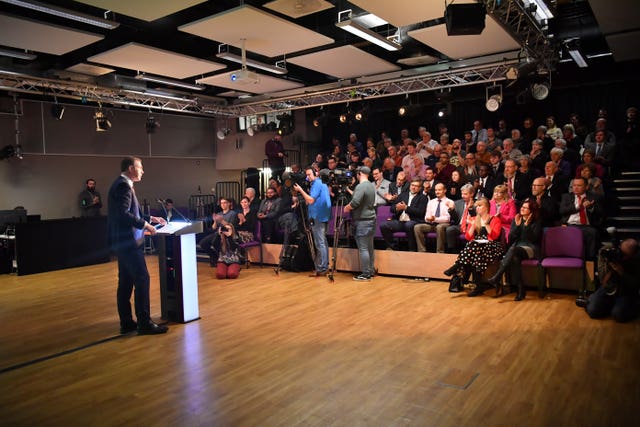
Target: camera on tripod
point(340, 177)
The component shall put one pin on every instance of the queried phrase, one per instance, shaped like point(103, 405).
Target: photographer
point(618, 292)
point(229, 253)
point(319, 213)
point(364, 216)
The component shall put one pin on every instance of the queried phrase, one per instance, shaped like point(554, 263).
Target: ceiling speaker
point(465, 19)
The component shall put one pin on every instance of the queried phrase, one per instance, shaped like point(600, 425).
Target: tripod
point(338, 223)
point(287, 232)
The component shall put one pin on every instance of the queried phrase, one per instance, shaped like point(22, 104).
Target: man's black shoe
point(127, 327)
point(476, 292)
point(150, 328)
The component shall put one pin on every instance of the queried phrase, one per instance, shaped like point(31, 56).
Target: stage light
point(102, 123)
point(540, 91)
point(359, 116)
point(285, 124)
point(402, 111)
point(222, 133)
point(493, 97)
point(152, 124)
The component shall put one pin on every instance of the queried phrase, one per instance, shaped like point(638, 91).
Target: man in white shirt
point(437, 217)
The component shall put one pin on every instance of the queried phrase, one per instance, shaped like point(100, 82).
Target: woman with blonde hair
point(503, 207)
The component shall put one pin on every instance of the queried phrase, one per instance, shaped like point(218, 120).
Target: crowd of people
point(486, 196)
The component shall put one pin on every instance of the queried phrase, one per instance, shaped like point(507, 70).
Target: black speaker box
point(465, 19)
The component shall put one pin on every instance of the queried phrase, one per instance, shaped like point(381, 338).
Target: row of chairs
point(562, 251)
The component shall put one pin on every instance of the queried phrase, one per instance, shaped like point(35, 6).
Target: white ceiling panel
point(344, 62)
point(265, 84)
point(264, 33)
point(624, 46)
point(493, 39)
point(38, 37)
point(405, 12)
point(147, 10)
point(91, 70)
point(152, 60)
point(298, 8)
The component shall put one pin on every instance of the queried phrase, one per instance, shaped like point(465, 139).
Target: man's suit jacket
point(415, 210)
point(594, 213)
point(393, 188)
point(487, 190)
point(559, 186)
point(125, 222)
point(521, 186)
point(606, 152)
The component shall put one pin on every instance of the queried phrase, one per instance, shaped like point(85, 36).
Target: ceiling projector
point(244, 77)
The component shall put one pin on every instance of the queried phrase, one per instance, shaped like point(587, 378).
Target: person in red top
point(484, 246)
point(503, 207)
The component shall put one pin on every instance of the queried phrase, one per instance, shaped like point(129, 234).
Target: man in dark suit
point(547, 207)
point(557, 183)
point(518, 186)
point(414, 204)
point(483, 185)
point(583, 210)
point(126, 227)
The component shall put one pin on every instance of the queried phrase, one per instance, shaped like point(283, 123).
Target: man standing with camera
point(364, 217)
point(319, 212)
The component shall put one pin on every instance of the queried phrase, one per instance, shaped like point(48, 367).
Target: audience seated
point(246, 220)
point(484, 184)
point(557, 183)
point(382, 187)
point(453, 186)
point(518, 185)
point(583, 210)
point(588, 157)
point(437, 218)
point(483, 246)
point(267, 214)
point(408, 210)
point(459, 218)
point(524, 243)
point(503, 207)
point(603, 150)
point(547, 206)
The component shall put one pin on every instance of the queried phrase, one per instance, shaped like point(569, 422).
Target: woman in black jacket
point(524, 240)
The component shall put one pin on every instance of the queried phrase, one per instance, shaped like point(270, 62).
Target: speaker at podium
point(178, 271)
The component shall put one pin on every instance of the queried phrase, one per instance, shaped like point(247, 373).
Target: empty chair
point(563, 254)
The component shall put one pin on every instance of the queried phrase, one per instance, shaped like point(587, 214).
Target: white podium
point(178, 271)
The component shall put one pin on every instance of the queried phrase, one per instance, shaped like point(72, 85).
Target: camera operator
point(319, 212)
point(618, 292)
point(364, 217)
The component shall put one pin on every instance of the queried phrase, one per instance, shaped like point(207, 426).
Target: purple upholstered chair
point(383, 213)
point(563, 251)
point(257, 241)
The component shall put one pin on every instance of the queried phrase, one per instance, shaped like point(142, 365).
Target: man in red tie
point(583, 210)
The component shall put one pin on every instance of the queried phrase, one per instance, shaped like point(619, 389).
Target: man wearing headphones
point(319, 211)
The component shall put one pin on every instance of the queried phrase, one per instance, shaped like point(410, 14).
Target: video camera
point(340, 177)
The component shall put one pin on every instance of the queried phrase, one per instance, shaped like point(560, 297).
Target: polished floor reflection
point(291, 350)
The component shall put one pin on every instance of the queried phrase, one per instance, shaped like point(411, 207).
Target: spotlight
point(253, 129)
point(493, 97)
point(442, 112)
point(540, 91)
point(57, 111)
point(316, 122)
point(151, 124)
point(402, 111)
point(359, 116)
point(222, 133)
point(285, 124)
point(102, 123)
point(343, 118)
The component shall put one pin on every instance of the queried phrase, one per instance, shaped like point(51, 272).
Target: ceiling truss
point(510, 13)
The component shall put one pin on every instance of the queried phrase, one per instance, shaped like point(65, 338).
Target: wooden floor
point(298, 351)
